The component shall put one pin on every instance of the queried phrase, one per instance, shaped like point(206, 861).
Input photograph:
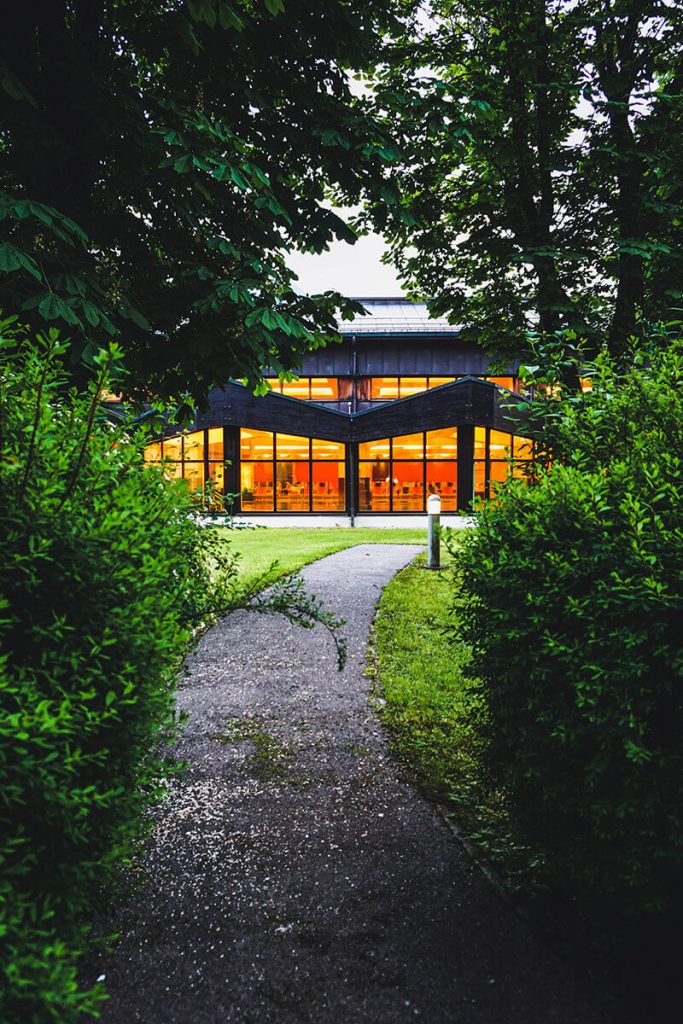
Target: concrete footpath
point(294, 875)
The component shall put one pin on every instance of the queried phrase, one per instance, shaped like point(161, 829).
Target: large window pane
point(373, 486)
point(408, 446)
point(297, 388)
point(194, 446)
point(503, 382)
point(500, 445)
point(153, 452)
point(194, 474)
point(442, 480)
point(215, 452)
point(173, 470)
point(407, 487)
point(498, 471)
point(480, 442)
point(523, 447)
point(291, 493)
point(442, 444)
point(412, 386)
point(217, 480)
point(480, 479)
point(256, 444)
point(374, 449)
point(173, 448)
point(290, 446)
point(256, 486)
point(324, 389)
point(384, 388)
point(329, 486)
point(436, 382)
point(327, 449)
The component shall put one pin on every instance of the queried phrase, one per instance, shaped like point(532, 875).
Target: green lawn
point(426, 704)
point(293, 548)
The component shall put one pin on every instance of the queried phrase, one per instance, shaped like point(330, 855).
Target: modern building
point(403, 408)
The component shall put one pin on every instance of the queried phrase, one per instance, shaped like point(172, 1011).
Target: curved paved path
point(294, 875)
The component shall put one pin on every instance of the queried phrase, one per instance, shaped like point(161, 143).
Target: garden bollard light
point(433, 540)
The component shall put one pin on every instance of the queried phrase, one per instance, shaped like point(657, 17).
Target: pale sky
point(349, 269)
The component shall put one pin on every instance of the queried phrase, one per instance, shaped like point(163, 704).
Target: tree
point(541, 186)
point(158, 159)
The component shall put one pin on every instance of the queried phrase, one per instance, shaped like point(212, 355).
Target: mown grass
point(427, 702)
point(293, 548)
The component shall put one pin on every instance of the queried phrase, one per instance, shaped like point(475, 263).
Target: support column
point(465, 468)
point(231, 454)
point(351, 479)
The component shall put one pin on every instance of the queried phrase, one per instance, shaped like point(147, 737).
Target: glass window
point(297, 388)
point(324, 389)
point(408, 446)
point(500, 445)
point(215, 486)
point(256, 485)
point(153, 452)
point(291, 491)
point(442, 480)
point(275, 383)
point(373, 489)
point(194, 474)
point(503, 382)
point(384, 388)
point(173, 470)
point(256, 444)
point(215, 446)
point(498, 472)
point(436, 382)
point(480, 479)
point(523, 447)
point(412, 386)
point(194, 446)
point(480, 442)
point(217, 475)
point(407, 486)
point(173, 448)
point(442, 444)
point(290, 446)
point(329, 486)
point(374, 449)
point(327, 449)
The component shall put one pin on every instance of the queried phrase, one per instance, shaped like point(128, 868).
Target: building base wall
point(343, 521)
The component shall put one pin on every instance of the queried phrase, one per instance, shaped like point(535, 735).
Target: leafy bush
point(572, 595)
point(102, 581)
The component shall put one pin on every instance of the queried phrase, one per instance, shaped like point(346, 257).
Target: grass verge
point(426, 702)
point(293, 548)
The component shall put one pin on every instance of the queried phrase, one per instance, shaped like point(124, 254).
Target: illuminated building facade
point(401, 409)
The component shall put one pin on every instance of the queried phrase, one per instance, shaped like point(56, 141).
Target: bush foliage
point(101, 584)
point(572, 595)
point(105, 578)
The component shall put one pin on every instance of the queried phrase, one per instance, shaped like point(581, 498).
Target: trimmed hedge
point(572, 599)
point(102, 582)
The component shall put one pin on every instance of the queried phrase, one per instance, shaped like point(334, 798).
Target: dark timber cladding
point(466, 401)
point(399, 383)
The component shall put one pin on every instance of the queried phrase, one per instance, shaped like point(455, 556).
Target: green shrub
point(103, 580)
point(572, 597)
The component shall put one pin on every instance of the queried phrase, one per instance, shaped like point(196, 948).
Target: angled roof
point(394, 317)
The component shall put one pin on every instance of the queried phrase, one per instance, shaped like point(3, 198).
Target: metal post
point(433, 540)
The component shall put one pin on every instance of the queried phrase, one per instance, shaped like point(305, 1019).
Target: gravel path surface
point(294, 875)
